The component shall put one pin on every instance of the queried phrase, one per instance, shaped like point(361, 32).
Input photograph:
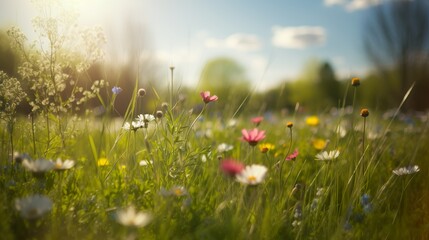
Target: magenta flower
point(207, 98)
point(231, 167)
point(292, 156)
point(253, 136)
point(257, 120)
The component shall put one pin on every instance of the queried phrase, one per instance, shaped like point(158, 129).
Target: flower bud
point(355, 81)
point(364, 112)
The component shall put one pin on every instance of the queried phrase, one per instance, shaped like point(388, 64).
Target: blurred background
point(258, 55)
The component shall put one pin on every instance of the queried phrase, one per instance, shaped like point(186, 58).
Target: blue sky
point(272, 40)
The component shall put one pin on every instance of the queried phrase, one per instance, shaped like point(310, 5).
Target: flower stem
point(193, 123)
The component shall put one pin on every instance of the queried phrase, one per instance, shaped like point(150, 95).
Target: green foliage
point(227, 79)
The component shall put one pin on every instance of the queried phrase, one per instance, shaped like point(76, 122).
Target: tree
point(316, 87)
point(397, 40)
point(328, 83)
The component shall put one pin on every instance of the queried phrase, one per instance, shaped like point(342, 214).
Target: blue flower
point(364, 199)
point(367, 208)
point(116, 90)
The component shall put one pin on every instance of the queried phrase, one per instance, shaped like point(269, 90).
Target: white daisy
point(331, 155)
point(252, 175)
point(130, 217)
point(406, 170)
point(223, 147)
point(34, 206)
point(38, 166)
point(60, 165)
point(127, 126)
point(145, 118)
point(133, 126)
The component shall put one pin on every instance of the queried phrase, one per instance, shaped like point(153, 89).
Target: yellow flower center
point(178, 192)
point(251, 179)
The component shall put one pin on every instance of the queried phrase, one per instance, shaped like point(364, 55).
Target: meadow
point(350, 173)
point(74, 167)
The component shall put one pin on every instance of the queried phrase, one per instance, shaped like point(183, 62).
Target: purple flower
point(116, 90)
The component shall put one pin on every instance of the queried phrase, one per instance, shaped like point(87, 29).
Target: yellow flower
point(355, 81)
point(265, 147)
point(312, 121)
point(102, 162)
point(319, 144)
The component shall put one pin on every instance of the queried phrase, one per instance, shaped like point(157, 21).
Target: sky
point(272, 40)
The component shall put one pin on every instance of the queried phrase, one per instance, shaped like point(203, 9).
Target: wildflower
point(265, 147)
point(133, 126)
point(253, 136)
point(145, 118)
point(289, 124)
point(292, 156)
point(34, 206)
point(312, 121)
point(355, 81)
point(20, 157)
point(406, 170)
point(223, 147)
point(207, 98)
point(141, 92)
point(102, 162)
point(365, 202)
point(257, 120)
point(176, 191)
point(145, 162)
point(232, 123)
point(179, 191)
point(131, 218)
point(116, 90)
point(296, 223)
point(341, 131)
point(252, 175)
point(331, 155)
point(320, 191)
point(63, 165)
point(231, 167)
point(38, 167)
point(319, 144)
point(364, 112)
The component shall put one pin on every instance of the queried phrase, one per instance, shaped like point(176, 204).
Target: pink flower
point(292, 156)
point(257, 120)
point(207, 98)
point(253, 136)
point(231, 167)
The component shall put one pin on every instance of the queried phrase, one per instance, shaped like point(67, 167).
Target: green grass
point(87, 197)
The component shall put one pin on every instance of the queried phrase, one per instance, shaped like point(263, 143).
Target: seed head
point(141, 92)
point(364, 112)
point(164, 106)
point(355, 81)
point(159, 114)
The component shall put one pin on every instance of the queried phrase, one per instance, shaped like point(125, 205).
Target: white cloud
point(298, 37)
point(333, 2)
point(361, 4)
point(352, 5)
point(237, 41)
